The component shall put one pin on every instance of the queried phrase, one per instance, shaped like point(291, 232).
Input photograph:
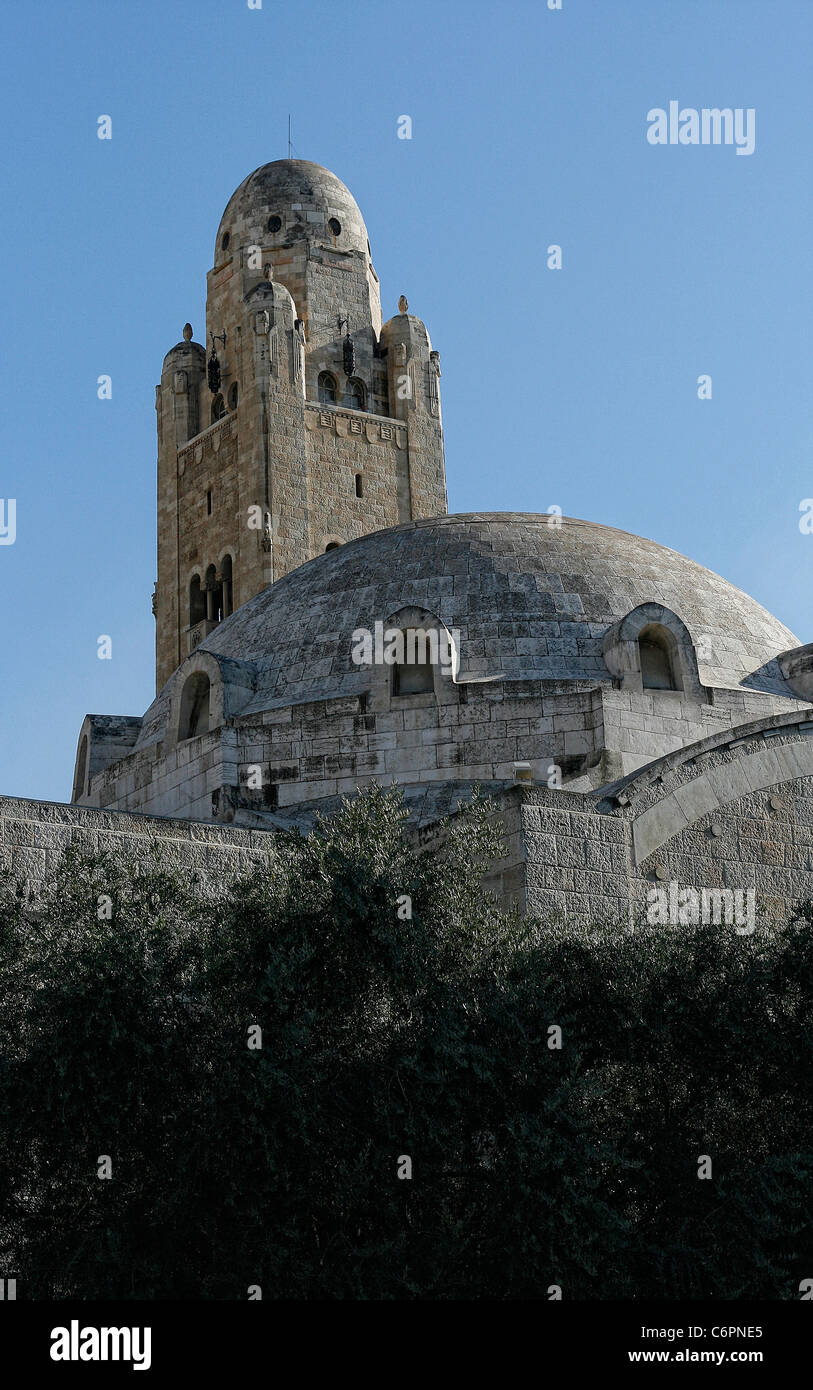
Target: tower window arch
point(332, 545)
point(226, 586)
point(359, 485)
point(197, 601)
point(194, 714)
point(214, 595)
point(218, 408)
point(656, 649)
point(327, 388)
point(233, 395)
point(355, 394)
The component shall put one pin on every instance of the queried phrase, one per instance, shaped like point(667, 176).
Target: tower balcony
point(196, 632)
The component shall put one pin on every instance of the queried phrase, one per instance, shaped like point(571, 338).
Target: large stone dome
point(530, 600)
point(288, 200)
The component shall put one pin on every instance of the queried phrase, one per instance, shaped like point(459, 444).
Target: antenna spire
point(290, 146)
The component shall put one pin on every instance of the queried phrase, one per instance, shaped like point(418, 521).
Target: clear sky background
point(576, 388)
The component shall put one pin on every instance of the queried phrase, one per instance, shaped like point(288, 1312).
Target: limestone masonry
point(635, 718)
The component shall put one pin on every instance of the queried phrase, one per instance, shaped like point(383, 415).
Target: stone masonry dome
point(290, 200)
point(530, 600)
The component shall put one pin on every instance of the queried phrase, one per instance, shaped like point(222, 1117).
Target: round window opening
point(335, 225)
point(224, 244)
point(274, 223)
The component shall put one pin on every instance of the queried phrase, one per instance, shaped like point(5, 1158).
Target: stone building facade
point(635, 719)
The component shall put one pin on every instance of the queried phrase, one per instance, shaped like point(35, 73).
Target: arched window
point(233, 394)
point(327, 388)
point(414, 674)
point(197, 601)
point(226, 585)
point(355, 394)
point(81, 769)
point(194, 716)
point(358, 485)
point(214, 595)
point(656, 650)
point(332, 545)
point(218, 408)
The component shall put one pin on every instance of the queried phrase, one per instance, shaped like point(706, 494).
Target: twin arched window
point(355, 394)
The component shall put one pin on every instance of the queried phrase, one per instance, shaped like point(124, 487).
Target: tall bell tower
point(302, 423)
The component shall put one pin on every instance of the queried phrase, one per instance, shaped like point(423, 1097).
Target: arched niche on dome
point(412, 657)
point(196, 699)
point(652, 650)
point(193, 718)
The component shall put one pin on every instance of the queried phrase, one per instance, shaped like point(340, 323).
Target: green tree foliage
point(387, 1037)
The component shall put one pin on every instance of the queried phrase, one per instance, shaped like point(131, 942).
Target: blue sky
point(575, 387)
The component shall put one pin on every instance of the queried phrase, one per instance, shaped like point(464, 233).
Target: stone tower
point(303, 423)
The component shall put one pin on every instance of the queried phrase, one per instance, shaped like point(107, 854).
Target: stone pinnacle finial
point(403, 304)
point(187, 332)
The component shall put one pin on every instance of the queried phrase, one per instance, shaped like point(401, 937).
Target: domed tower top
point(298, 223)
point(291, 200)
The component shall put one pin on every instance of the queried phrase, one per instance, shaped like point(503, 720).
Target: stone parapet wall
point(35, 834)
point(734, 811)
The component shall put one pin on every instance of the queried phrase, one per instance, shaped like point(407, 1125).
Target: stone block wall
point(642, 725)
point(341, 444)
point(734, 811)
point(35, 834)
